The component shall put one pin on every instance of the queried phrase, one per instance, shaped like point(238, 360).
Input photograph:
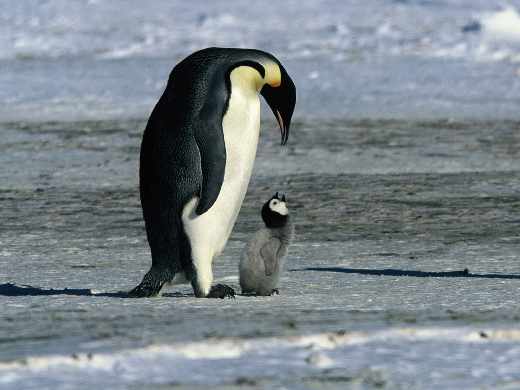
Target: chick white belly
point(209, 232)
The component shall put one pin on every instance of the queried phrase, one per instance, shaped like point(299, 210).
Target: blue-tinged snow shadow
point(15, 290)
point(412, 273)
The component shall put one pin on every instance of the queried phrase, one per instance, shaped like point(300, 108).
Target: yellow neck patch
point(247, 76)
point(273, 76)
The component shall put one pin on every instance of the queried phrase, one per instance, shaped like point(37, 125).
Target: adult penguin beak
point(281, 99)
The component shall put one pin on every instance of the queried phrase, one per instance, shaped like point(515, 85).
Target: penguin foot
point(150, 286)
point(145, 291)
point(221, 291)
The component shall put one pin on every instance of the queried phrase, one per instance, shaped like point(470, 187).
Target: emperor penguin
point(263, 259)
point(197, 156)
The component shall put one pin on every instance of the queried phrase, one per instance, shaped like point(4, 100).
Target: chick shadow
point(410, 273)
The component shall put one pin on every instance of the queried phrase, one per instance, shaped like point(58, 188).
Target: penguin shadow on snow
point(15, 290)
point(409, 273)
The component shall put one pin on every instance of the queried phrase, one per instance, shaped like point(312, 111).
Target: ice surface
point(402, 174)
point(338, 358)
point(389, 215)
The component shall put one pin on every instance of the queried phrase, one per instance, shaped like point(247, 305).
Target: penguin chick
point(263, 258)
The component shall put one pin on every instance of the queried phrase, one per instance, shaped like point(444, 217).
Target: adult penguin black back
point(197, 156)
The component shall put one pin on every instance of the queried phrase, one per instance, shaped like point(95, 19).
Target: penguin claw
point(221, 291)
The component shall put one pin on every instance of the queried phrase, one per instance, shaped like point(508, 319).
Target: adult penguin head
point(257, 68)
point(273, 82)
point(280, 94)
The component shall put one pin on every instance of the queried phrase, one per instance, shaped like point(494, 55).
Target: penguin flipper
point(209, 135)
point(269, 253)
point(213, 163)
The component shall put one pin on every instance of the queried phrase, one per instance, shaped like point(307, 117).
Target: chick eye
point(275, 203)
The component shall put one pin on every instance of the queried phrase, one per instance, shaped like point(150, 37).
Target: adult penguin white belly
point(197, 156)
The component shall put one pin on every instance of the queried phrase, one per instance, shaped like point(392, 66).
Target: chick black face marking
point(274, 212)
